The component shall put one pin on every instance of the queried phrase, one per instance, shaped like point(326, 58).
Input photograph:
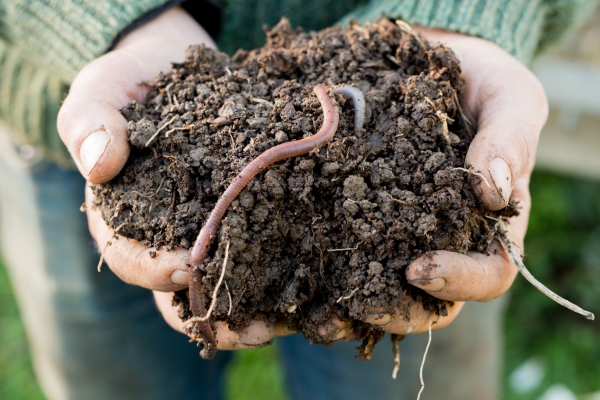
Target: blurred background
point(550, 352)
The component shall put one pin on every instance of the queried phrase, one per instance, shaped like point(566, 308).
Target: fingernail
point(180, 277)
point(379, 320)
point(500, 172)
point(430, 285)
point(92, 148)
point(243, 345)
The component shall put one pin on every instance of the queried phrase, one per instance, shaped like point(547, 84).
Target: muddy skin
point(344, 219)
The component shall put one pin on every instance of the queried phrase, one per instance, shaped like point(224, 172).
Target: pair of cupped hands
point(502, 98)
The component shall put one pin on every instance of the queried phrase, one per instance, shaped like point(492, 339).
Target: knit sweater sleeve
point(63, 35)
point(524, 28)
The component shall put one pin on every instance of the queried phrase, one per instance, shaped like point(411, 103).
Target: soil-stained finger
point(135, 263)
point(336, 330)
point(260, 333)
point(417, 319)
point(463, 277)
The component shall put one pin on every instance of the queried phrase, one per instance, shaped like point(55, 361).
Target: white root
point(344, 249)
point(510, 248)
point(473, 173)
point(396, 350)
point(215, 294)
point(348, 296)
point(431, 322)
point(159, 130)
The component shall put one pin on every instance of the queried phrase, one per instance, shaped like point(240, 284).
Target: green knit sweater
point(43, 43)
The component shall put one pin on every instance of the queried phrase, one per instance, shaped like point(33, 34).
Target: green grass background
point(562, 250)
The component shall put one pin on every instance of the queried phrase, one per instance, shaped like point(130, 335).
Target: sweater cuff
point(65, 35)
point(514, 25)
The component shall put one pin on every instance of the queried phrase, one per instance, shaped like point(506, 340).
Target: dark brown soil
point(345, 219)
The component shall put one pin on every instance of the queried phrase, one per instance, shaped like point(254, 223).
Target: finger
point(465, 277)
point(412, 318)
point(259, 333)
point(510, 107)
point(90, 122)
point(473, 276)
point(335, 330)
point(133, 262)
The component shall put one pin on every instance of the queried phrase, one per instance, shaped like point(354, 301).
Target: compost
point(331, 231)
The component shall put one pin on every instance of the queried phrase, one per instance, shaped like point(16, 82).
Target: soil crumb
point(328, 232)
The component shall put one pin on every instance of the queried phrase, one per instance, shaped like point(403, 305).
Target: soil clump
point(328, 232)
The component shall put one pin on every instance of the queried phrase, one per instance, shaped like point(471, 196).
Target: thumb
point(512, 111)
point(90, 121)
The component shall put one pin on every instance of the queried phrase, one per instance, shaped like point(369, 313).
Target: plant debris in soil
point(328, 232)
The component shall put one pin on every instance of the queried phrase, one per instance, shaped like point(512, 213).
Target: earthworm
point(272, 155)
point(358, 100)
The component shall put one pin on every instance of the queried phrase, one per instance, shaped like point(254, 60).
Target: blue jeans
point(95, 337)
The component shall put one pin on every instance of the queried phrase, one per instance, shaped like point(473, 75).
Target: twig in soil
point(346, 249)
point(404, 203)
point(510, 248)
point(408, 29)
point(469, 171)
point(431, 322)
point(169, 211)
point(494, 219)
point(444, 118)
point(181, 128)
point(393, 59)
point(230, 301)
point(362, 30)
point(231, 138)
point(160, 185)
point(395, 348)
point(168, 90)
point(159, 130)
point(348, 296)
point(215, 294)
point(257, 100)
point(466, 120)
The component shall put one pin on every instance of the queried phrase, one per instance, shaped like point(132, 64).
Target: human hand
point(92, 127)
point(508, 107)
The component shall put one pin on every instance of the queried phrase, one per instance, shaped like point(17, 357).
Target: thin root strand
point(106, 246)
point(431, 322)
point(396, 349)
point(468, 171)
point(348, 296)
point(215, 294)
point(510, 248)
